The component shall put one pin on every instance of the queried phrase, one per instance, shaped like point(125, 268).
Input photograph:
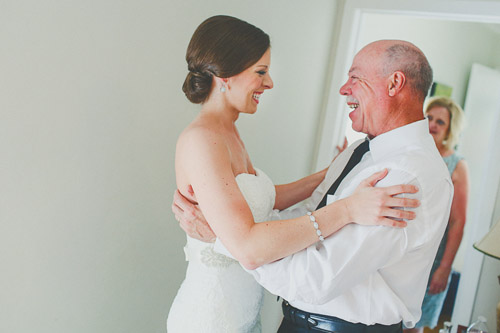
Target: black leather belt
point(322, 323)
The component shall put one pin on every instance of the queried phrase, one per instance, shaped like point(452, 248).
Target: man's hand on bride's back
point(191, 219)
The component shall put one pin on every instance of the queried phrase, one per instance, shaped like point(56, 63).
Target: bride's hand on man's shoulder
point(370, 205)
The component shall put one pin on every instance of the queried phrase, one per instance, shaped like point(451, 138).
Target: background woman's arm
point(458, 213)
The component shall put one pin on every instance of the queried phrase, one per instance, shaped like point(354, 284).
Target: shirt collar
point(398, 138)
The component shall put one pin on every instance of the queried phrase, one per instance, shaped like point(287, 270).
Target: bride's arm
point(204, 160)
point(289, 194)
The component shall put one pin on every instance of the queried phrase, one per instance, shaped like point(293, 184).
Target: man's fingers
point(178, 199)
point(376, 177)
point(177, 195)
point(345, 143)
point(183, 208)
point(177, 210)
point(181, 200)
point(188, 228)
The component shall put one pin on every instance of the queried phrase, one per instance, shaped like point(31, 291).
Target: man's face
point(366, 91)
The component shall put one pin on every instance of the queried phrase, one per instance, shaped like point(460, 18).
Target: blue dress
point(433, 303)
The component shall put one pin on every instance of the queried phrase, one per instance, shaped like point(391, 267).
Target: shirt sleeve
point(326, 270)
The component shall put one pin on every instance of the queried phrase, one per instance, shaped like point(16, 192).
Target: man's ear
point(396, 83)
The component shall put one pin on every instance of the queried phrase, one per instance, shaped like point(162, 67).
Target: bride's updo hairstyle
point(221, 46)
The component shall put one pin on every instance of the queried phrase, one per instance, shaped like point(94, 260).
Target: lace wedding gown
point(217, 294)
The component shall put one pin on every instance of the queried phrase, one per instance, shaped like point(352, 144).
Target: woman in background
point(446, 120)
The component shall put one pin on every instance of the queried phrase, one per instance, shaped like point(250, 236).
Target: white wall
point(496, 48)
point(91, 106)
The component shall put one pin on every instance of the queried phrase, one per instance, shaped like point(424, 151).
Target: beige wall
point(91, 106)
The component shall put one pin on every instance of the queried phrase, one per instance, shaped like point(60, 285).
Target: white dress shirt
point(368, 274)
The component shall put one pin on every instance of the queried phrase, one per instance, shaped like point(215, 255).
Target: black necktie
point(355, 158)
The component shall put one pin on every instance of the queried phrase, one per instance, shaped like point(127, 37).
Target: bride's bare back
point(209, 127)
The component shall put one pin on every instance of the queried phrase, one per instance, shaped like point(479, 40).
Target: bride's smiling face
point(245, 88)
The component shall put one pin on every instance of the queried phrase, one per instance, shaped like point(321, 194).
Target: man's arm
point(319, 274)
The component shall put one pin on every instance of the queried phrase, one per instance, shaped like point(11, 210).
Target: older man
point(371, 279)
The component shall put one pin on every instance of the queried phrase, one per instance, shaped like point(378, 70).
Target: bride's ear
point(221, 84)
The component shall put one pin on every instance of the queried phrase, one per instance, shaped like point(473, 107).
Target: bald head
point(386, 86)
point(398, 55)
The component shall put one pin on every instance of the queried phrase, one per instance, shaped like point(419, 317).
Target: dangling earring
point(222, 89)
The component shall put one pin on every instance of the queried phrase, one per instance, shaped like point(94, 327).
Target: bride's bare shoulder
point(202, 135)
point(200, 129)
point(201, 145)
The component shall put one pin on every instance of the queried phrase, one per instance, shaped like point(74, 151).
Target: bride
point(228, 61)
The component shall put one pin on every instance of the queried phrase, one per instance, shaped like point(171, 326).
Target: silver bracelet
point(316, 226)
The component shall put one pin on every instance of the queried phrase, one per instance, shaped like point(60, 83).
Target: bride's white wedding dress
point(217, 294)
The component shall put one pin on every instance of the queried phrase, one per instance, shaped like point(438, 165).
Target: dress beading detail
point(213, 259)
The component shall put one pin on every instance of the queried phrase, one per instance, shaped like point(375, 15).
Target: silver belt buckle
point(312, 321)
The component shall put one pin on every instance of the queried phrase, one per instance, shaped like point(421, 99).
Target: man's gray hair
point(410, 60)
